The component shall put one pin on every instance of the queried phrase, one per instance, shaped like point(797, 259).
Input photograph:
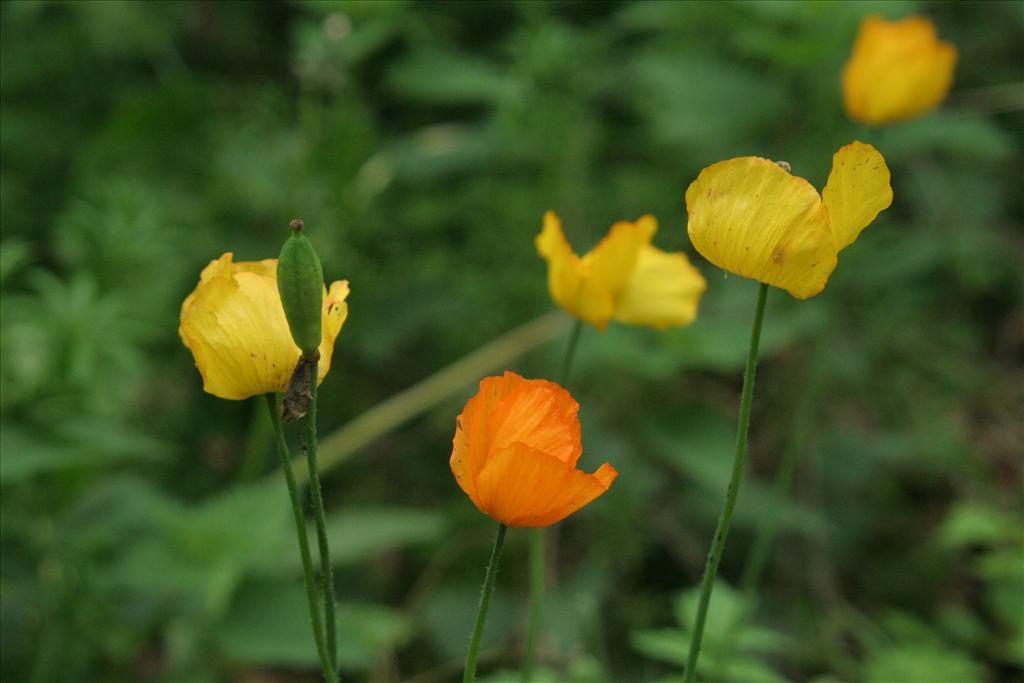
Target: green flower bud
point(300, 281)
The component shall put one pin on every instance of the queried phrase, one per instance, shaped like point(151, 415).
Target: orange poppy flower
point(515, 451)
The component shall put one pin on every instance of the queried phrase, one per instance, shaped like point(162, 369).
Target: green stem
point(537, 539)
point(536, 601)
point(316, 495)
point(570, 353)
point(485, 603)
point(739, 461)
point(300, 530)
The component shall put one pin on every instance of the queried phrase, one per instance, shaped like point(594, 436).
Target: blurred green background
point(145, 534)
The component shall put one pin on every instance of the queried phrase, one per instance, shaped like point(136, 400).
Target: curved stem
point(316, 495)
point(537, 538)
point(300, 531)
point(485, 602)
point(725, 519)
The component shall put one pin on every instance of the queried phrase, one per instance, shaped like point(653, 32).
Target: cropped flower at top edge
point(515, 450)
point(897, 70)
point(235, 327)
point(751, 217)
point(623, 278)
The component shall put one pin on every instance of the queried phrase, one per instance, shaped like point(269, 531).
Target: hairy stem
point(300, 531)
point(317, 498)
point(485, 602)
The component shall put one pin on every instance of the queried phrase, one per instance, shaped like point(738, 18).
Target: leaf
point(450, 78)
point(699, 444)
point(977, 523)
point(356, 535)
point(77, 443)
point(269, 625)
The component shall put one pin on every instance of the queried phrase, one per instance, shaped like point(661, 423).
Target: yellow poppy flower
point(751, 217)
point(898, 70)
point(234, 325)
point(623, 278)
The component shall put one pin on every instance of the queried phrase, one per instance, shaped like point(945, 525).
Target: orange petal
point(469, 445)
point(523, 487)
point(541, 415)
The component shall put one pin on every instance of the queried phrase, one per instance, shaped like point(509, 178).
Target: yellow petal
point(751, 217)
point(236, 329)
point(897, 70)
point(523, 487)
point(857, 191)
point(335, 314)
point(611, 263)
point(579, 295)
point(662, 292)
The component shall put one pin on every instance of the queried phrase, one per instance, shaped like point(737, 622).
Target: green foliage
point(145, 533)
point(732, 649)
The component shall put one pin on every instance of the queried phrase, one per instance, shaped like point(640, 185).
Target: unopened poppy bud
point(300, 281)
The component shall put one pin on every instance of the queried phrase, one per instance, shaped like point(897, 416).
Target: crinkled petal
point(540, 414)
point(857, 191)
point(524, 487)
point(751, 217)
point(580, 296)
point(663, 291)
point(469, 445)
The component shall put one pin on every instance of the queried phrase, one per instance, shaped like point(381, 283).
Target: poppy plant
point(623, 278)
point(514, 454)
point(235, 327)
point(897, 70)
point(752, 217)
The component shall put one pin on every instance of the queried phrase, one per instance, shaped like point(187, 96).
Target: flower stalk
point(316, 496)
point(300, 529)
point(537, 538)
point(485, 603)
point(739, 463)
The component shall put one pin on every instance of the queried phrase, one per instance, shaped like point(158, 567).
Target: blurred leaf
point(700, 445)
point(973, 138)
point(730, 646)
point(977, 523)
point(14, 254)
point(76, 443)
point(449, 614)
point(268, 625)
point(449, 78)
